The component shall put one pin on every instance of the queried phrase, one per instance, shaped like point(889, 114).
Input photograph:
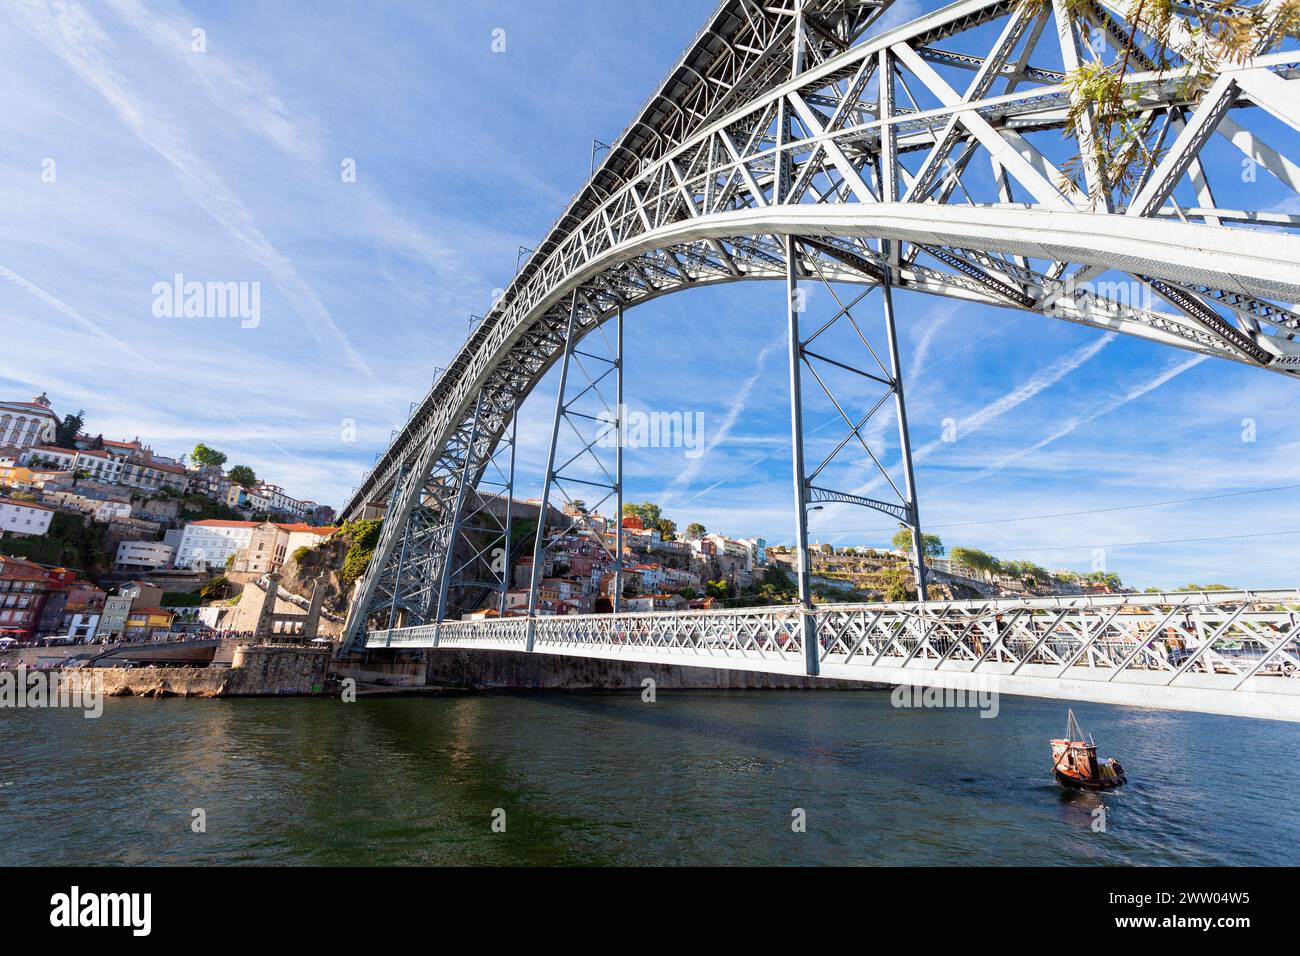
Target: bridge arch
point(806, 176)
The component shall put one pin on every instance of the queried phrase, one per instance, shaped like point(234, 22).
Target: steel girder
point(710, 203)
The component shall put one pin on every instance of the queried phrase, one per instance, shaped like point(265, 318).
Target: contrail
point(738, 405)
point(1134, 393)
point(1044, 378)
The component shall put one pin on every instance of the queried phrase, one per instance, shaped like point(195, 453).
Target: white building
point(144, 554)
point(209, 543)
point(82, 627)
point(24, 517)
point(25, 424)
point(112, 510)
point(98, 465)
point(304, 536)
point(272, 499)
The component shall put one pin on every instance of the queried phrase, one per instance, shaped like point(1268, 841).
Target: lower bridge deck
point(1225, 652)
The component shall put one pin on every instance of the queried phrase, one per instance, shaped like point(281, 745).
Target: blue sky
point(226, 165)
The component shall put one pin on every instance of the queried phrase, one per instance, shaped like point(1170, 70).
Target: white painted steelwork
point(774, 138)
point(1224, 652)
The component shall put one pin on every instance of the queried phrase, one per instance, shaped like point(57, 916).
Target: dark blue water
point(697, 777)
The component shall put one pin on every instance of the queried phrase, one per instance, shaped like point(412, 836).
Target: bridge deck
point(1229, 652)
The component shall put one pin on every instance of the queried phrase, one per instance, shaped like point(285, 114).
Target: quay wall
point(518, 670)
point(255, 671)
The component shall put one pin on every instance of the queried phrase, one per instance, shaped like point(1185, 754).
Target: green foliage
point(362, 536)
point(70, 542)
point(1206, 587)
point(696, 530)
point(355, 563)
point(300, 553)
point(242, 475)
point(1109, 578)
point(363, 532)
point(648, 512)
point(652, 517)
point(203, 455)
point(200, 508)
point(902, 540)
point(898, 584)
point(181, 599)
point(718, 589)
point(66, 431)
point(975, 559)
point(1218, 37)
point(215, 588)
point(1030, 574)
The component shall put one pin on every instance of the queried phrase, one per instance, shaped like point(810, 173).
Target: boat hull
point(1078, 783)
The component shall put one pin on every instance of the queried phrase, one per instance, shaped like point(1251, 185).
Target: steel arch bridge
point(804, 141)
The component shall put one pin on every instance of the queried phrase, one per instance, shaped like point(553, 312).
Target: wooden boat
point(1075, 764)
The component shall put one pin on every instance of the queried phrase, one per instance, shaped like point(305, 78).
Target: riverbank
point(254, 671)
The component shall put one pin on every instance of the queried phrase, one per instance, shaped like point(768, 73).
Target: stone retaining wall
point(455, 667)
point(256, 671)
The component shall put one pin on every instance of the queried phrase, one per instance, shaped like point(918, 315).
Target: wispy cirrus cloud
point(80, 41)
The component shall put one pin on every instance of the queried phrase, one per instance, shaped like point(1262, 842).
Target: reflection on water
point(698, 777)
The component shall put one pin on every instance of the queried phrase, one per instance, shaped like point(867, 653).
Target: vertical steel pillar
point(807, 623)
point(904, 439)
point(539, 541)
point(889, 253)
point(401, 559)
point(617, 603)
point(449, 556)
point(507, 569)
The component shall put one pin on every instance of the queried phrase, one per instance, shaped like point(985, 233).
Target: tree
point(242, 475)
point(652, 517)
point(1108, 578)
point(973, 558)
point(898, 585)
point(66, 431)
point(720, 589)
point(933, 546)
point(647, 511)
point(696, 530)
point(203, 455)
point(826, 549)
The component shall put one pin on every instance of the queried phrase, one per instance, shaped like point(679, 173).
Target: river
point(604, 778)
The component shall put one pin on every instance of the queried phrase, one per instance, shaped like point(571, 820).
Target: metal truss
point(425, 545)
point(1234, 652)
point(482, 556)
point(938, 147)
point(585, 423)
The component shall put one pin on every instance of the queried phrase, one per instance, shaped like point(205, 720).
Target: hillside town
point(106, 540)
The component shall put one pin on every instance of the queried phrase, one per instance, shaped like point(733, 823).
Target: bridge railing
point(757, 633)
point(1225, 640)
